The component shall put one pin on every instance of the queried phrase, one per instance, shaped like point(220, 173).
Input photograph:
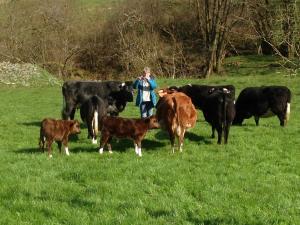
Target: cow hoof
point(94, 141)
point(110, 152)
point(101, 151)
point(50, 156)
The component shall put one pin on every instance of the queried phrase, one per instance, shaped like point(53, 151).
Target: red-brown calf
point(135, 129)
point(59, 131)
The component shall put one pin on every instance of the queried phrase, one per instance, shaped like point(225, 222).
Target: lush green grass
point(252, 180)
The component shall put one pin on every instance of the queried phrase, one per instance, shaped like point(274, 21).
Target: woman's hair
point(147, 69)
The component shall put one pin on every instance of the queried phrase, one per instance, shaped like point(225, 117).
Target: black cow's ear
point(128, 83)
point(122, 85)
point(211, 90)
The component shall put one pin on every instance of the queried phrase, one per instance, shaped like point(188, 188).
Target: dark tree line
point(177, 38)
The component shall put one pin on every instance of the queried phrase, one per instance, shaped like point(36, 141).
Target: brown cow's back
point(176, 113)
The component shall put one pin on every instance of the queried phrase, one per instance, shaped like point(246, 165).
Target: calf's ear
point(71, 123)
point(147, 120)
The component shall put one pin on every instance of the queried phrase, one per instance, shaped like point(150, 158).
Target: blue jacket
point(138, 84)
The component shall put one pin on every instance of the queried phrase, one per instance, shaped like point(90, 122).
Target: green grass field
point(254, 180)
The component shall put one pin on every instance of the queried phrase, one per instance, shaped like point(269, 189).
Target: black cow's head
point(119, 99)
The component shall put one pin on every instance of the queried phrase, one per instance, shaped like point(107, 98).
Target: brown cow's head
point(152, 122)
point(74, 127)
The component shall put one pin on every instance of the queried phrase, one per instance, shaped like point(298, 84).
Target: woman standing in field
point(146, 98)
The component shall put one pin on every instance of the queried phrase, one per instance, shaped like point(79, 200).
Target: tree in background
point(216, 18)
point(277, 24)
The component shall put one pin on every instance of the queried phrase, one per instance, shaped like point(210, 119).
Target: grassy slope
point(252, 180)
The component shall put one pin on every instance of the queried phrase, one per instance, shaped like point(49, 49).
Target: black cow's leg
point(256, 118)
point(219, 130)
point(281, 117)
point(90, 130)
point(226, 133)
point(68, 112)
point(213, 132)
point(72, 115)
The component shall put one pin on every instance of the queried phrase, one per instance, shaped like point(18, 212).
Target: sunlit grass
point(252, 180)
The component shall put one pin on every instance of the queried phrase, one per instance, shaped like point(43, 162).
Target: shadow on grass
point(32, 123)
point(215, 221)
point(121, 145)
point(163, 135)
point(38, 124)
point(29, 151)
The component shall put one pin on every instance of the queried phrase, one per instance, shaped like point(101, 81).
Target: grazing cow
point(59, 131)
point(175, 113)
point(263, 101)
point(135, 129)
point(92, 111)
point(219, 111)
point(75, 93)
point(200, 95)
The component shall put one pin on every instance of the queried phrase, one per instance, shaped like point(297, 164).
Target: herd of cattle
point(101, 102)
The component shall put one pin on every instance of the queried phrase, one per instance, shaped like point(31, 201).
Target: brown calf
point(59, 131)
point(135, 129)
point(175, 113)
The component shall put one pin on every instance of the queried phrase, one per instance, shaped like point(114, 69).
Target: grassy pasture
point(252, 180)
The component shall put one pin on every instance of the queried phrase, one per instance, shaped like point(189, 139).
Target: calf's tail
point(42, 139)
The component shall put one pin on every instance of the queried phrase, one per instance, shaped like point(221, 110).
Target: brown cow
point(135, 129)
point(59, 131)
point(175, 113)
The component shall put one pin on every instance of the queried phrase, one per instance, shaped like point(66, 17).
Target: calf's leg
point(65, 143)
point(49, 143)
point(104, 138)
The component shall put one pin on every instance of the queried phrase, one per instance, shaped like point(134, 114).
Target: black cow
point(263, 101)
point(199, 93)
point(219, 112)
point(92, 112)
point(75, 93)
point(208, 98)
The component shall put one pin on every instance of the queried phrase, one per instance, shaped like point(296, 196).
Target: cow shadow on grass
point(163, 135)
point(32, 123)
point(32, 150)
point(121, 145)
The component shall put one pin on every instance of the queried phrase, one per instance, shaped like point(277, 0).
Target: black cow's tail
point(288, 106)
point(95, 122)
point(224, 110)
